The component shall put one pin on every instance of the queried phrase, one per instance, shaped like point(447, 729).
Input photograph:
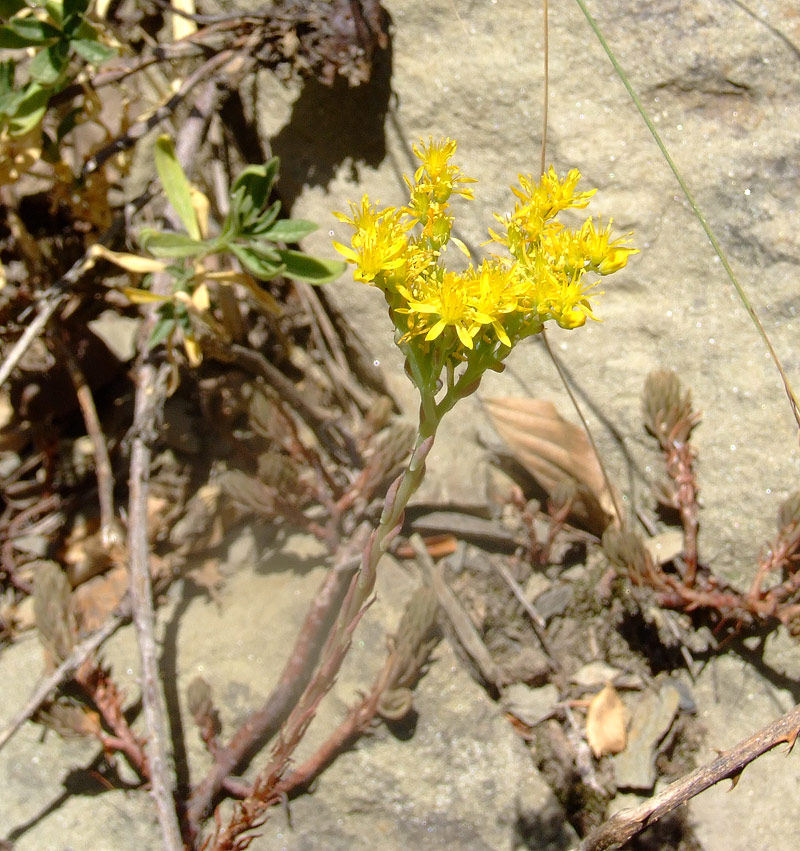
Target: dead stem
point(150, 394)
point(141, 128)
point(110, 530)
point(730, 764)
point(357, 721)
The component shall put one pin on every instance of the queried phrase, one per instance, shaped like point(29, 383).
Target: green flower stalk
point(453, 326)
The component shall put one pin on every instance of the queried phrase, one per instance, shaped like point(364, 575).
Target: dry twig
point(110, 530)
point(150, 393)
point(627, 823)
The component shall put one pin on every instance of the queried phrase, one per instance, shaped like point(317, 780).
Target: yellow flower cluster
point(504, 299)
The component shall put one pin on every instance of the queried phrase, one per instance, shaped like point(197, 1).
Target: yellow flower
point(378, 244)
point(604, 256)
point(436, 176)
point(495, 296)
point(363, 217)
point(444, 300)
point(550, 195)
point(547, 277)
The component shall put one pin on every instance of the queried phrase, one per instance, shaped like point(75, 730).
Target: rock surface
point(464, 777)
point(719, 83)
point(719, 80)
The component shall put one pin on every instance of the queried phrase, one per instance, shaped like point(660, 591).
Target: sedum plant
point(453, 326)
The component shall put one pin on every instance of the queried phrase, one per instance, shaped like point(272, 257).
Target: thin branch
point(63, 672)
point(141, 128)
point(537, 621)
point(627, 823)
point(110, 530)
point(47, 308)
point(150, 394)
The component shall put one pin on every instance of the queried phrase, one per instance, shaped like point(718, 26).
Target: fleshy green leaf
point(10, 7)
point(10, 101)
point(55, 8)
point(255, 263)
point(265, 250)
point(33, 30)
point(253, 222)
point(9, 40)
point(311, 269)
point(165, 325)
point(288, 230)
point(169, 243)
point(92, 51)
point(30, 110)
point(250, 194)
point(176, 186)
point(47, 65)
point(6, 78)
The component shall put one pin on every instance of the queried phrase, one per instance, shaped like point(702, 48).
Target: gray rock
point(530, 705)
point(595, 674)
point(652, 717)
point(555, 601)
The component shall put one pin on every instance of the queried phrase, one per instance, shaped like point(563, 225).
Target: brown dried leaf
point(605, 723)
point(96, 599)
point(552, 449)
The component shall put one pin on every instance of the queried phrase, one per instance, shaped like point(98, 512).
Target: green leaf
point(169, 243)
point(10, 101)
point(176, 186)
point(288, 230)
point(165, 325)
point(92, 51)
point(10, 7)
point(311, 269)
point(6, 78)
point(255, 263)
point(30, 110)
point(250, 193)
point(9, 40)
point(55, 8)
point(75, 7)
point(47, 65)
point(265, 250)
point(33, 31)
point(253, 221)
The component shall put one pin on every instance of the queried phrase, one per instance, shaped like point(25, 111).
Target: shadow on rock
point(332, 124)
